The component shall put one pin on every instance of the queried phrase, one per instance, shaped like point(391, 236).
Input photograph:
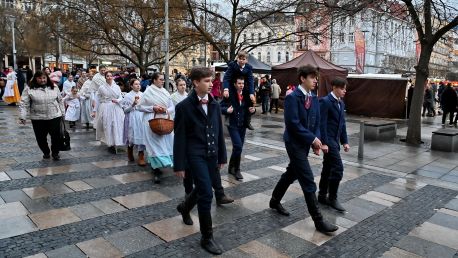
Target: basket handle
point(168, 115)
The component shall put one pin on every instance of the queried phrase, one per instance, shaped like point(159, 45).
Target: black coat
point(197, 134)
point(449, 99)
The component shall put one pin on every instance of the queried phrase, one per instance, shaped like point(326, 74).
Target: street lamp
point(13, 20)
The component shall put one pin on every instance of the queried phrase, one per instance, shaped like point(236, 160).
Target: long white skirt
point(73, 113)
point(86, 110)
point(159, 148)
point(110, 124)
point(134, 132)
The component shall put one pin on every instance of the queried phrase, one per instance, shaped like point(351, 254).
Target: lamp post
point(13, 20)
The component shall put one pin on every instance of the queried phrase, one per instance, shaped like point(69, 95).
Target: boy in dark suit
point(302, 122)
point(333, 131)
point(199, 146)
point(236, 69)
point(236, 111)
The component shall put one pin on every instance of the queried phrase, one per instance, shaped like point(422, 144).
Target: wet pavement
point(401, 201)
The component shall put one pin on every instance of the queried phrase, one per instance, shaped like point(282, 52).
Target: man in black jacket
point(199, 146)
point(448, 103)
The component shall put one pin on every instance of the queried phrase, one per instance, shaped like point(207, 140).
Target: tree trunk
point(414, 123)
point(142, 70)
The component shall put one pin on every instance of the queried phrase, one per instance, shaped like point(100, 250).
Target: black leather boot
point(320, 223)
point(157, 175)
point(248, 122)
point(332, 201)
point(186, 206)
point(238, 173)
point(230, 169)
point(207, 241)
point(276, 205)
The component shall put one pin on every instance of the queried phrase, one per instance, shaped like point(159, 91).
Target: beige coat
point(276, 91)
point(41, 104)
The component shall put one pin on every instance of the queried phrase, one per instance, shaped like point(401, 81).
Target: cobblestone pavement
point(401, 201)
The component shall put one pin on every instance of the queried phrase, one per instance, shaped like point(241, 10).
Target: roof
point(309, 58)
point(376, 76)
point(258, 66)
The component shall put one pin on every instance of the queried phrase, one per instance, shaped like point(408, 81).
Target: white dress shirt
point(204, 106)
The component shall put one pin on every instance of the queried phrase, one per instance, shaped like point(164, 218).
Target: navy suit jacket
point(302, 125)
point(332, 126)
point(231, 74)
point(237, 117)
point(197, 134)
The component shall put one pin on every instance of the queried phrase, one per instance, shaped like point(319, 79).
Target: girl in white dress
point(181, 93)
point(86, 101)
point(73, 105)
point(110, 116)
point(156, 101)
point(133, 122)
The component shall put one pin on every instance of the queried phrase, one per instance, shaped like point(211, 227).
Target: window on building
point(301, 42)
point(352, 21)
point(269, 35)
point(343, 20)
point(279, 57)
point(287, 56)
point(244, 37)
point(259, 56)
point(317, 21)
point(268, 57)
point(8, 3)
point(252, 37)
point(316, 40)
point(342, 37)
point(259, 37)
point(351, 37)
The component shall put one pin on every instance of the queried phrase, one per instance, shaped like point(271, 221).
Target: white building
point(390, 46)
point(276, 28)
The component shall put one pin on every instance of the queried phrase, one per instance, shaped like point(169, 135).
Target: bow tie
point(203, 101)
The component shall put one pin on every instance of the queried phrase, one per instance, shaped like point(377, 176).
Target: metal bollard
point(361, 141)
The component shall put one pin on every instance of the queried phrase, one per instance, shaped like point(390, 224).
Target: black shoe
point(320, 223)
point(332, 200)
point(278, 207)
point(185, 215)
point(207, 241)
point(322, 199)
point(224, 200)
point(250, 127)
point(237, 173)
point(112, 149)
point(55, 157)
point(323, 226)
point(157, 176)
point(334, 203)
point(230, 169)
point(46, 156)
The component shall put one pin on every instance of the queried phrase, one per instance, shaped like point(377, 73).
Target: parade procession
point(196, 128)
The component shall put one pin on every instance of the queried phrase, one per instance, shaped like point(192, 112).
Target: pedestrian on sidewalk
point(42, 103)
point(157, 103)
point(276, 91)
point(133, 123)
point(199, 146)
point(73, 107)
point(302, 122)
point(235, 69)
point(181, 93)
point(235, 111)
point(86, 101)
point(110, 116)
point(428, 102)
point(216, 88)
point(11, 95)
point(449, 101)
point(333, 133)
point(264, 91)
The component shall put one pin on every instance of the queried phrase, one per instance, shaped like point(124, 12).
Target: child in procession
point(73, 107)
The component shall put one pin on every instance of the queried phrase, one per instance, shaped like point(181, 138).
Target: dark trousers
point(444, 116)
point(298, 168)
point(274, 102)
point(430, 108)
point(42, 128)
point(203, 172)
point(332, 171)
point(188, 183)
point(265, 103)
point(248, 104)
point(238, 138)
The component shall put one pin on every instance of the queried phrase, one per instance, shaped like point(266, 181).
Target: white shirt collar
point(206, 97)
point(304, 91)
point(332, 93)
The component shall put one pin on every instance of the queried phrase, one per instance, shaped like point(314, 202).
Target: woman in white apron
point(86, 101)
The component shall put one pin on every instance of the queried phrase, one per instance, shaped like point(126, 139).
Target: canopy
point(258, 66)
point(285, 74)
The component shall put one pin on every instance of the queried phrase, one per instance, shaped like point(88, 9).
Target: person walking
point(157, 103)
point(265, 90)
point(73, 107)
point(302, 132)
point(110, 116)
point(428, 102)
point(449, 102)
point(68, 86)
point(11, 94)
point(276, 91)
point(333, 132)
point(42, 103)
point(199, 146)
point(181, 93)
point(216, 88)
point(86, 101)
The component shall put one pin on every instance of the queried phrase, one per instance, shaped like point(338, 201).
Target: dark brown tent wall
point(376, 97)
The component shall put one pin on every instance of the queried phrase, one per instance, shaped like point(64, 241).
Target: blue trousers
point(203, 170)
point(265, 103)
point(238, 138)
point(298, 168)
point(332, 164)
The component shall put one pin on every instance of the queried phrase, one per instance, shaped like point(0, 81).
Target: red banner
point(360, 51)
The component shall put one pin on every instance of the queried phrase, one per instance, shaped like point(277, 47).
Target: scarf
point(154, 95)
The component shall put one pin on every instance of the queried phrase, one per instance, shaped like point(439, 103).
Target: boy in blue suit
point(236, 111)
point(236, 69)
point(302, 122)
point(333, 131)
point(199, 146)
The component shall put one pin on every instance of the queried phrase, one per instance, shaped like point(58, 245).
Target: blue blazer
point(302, 125)
point(332, 126)
point(231, 74)
point(237, 117)
point(197, 134)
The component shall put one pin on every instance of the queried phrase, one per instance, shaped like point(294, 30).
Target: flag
point(360, 51)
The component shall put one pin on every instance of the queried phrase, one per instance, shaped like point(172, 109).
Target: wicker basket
point(161, 126)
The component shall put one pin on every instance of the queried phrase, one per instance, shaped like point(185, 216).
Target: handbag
point(64, 137)
point(161, 126)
